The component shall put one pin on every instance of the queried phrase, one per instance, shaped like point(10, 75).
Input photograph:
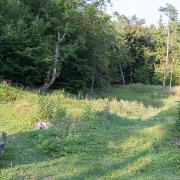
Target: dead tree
point(52, 78)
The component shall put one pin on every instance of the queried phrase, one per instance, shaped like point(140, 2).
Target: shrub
point(51, 142)
point(46, 107)
point(89, 113)
point(60, 112)
point(6, 93)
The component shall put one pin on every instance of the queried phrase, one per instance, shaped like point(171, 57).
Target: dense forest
point(88, 94)
point(76, 45)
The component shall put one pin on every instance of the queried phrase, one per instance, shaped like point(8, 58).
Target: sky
point(147, 9)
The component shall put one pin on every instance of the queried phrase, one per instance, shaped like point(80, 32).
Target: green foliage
point(125, 132)
point(96, 51)
point(144, 74)
point(177, 121)
point(50, 141)
point(46, 107)
point(60, 112)
point(7, 93)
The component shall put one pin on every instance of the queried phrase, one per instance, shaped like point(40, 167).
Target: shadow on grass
point(148, 95)
point(91, 143)
point(99, 170)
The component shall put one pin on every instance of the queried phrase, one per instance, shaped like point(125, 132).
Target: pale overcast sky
point(147, 9)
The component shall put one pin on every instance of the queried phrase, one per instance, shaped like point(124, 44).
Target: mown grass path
point(123, 133)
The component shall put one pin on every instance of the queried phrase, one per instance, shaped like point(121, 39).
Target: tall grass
point(122, 133)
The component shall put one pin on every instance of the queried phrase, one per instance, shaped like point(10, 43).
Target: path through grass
point(123, 133)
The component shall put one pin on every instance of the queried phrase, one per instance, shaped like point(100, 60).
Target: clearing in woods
point(127, 132)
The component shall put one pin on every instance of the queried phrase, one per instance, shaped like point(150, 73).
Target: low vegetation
point(126, 132)
point(81, 95)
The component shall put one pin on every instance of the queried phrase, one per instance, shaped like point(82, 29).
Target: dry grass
point(175, 90)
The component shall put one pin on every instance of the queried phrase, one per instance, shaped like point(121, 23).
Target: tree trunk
point(170, 83)
point(54, 67)
point(131, 74)
point(92, 78)
point(122, 74)
point(167, 60)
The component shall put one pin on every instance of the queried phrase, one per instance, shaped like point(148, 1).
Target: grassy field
point(126, 132)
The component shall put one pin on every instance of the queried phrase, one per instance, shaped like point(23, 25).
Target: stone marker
point(3, 142)
point(43, 125)
point(2, 147)
point(4, 137)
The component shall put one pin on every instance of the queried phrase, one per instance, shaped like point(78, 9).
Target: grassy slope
point(123, 133)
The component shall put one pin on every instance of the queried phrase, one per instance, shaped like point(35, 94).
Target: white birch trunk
point(54, 68)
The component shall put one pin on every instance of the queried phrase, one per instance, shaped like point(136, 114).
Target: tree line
point(75, 45)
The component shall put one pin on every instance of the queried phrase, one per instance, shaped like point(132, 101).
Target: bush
point(6, 93)
point(60, 112)
point(46, 107)
point(89, 114)
point(51, 142)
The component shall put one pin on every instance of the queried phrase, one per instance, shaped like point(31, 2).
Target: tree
point(96, 29)
point(51, 79)
point(24, 50)
point(175, 54)
point(171, 13)
point(119, 53)
point(141, 45)
point(75, 45)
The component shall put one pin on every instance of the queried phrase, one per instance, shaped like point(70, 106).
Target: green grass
point(122, 133)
